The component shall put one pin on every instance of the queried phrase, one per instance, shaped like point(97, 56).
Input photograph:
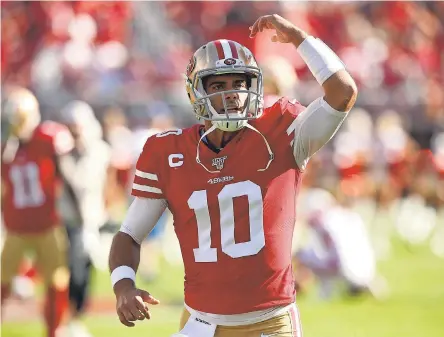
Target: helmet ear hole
point(189, 96)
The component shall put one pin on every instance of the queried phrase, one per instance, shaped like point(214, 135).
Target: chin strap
point(270, 153)
point(213, 127)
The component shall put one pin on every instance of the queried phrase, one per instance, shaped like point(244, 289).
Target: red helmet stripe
point(220, 50)
point(233, 50)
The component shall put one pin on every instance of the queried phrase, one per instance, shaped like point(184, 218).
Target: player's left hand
point(284, 29)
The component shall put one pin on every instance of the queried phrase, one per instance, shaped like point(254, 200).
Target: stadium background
point(125, 59)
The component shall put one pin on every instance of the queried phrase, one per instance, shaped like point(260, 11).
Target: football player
point(231, 185)
point(339, 248)
point(35, 159)
point(92, 156)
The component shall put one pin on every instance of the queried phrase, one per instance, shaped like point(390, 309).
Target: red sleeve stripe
point(146, 175)
point(144, 188)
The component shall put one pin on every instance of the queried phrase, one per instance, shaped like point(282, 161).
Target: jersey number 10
point(199, 203)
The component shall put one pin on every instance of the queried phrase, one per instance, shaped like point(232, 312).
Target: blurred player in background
point(36, 160)
point(339, 248)
point(276, 85)
point(231, 186)
point(92, 157)
point(120, 138)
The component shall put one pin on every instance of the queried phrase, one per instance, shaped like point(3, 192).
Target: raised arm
point(318, 123)
point(339, 87)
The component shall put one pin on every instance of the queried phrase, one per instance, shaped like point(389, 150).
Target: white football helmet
point(218, 58)
point(21, 113)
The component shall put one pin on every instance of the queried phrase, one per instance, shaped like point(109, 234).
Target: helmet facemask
point(225, 57)
point(226, 120)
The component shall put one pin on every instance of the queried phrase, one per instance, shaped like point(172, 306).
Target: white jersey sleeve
point(142, 216)
point(313, 128)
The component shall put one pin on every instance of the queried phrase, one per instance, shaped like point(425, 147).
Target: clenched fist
point(132, 305)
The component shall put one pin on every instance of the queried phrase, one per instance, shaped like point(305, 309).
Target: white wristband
point(121, 273)
point(320, 59)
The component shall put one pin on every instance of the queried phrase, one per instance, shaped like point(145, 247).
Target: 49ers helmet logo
point(191, 66)
point(230, 61)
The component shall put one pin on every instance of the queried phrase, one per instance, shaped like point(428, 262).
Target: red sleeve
point(290, 110)
point(286, 112)
point(148, 182)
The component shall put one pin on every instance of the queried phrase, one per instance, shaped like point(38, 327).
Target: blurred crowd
point(125, 60)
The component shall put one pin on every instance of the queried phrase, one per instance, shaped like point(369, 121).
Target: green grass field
point(415, 307)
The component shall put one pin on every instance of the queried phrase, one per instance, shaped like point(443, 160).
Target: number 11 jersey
point(30, 180)
point(235, 226)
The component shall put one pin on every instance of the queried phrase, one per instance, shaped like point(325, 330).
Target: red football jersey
point(234, 227)
point(30, 180)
